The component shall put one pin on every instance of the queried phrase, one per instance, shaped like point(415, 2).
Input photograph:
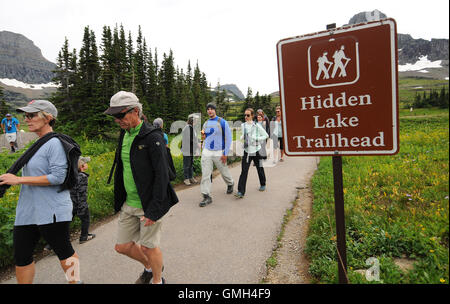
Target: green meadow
point(396, 208)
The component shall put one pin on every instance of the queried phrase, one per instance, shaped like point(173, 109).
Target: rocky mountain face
point(234, 90)
point(410, 49)
point(20, 59)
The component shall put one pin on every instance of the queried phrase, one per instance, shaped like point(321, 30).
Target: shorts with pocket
point(132, 229)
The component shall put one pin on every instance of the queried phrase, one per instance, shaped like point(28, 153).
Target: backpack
point(221, 129)
point(73, 153)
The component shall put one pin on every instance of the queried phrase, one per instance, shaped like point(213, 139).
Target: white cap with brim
point(35, 106)
point(120, 101)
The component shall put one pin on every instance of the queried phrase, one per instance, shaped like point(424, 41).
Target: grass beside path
point(395, 207)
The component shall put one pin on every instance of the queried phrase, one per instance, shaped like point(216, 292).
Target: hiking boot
point(193, 180)
point(262, 188)
point(89, 237)
point(230, 189)
point(239, 195)
point(206, 200)
point(187, 182)
point(146, 277)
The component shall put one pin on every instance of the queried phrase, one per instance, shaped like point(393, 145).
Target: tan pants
point(209, 159)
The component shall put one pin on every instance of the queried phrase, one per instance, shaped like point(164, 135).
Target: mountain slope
point(20, 59)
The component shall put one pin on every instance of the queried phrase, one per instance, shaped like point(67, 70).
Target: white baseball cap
point(120, 101)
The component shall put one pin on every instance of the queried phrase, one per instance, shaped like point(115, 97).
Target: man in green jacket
point(142, 190)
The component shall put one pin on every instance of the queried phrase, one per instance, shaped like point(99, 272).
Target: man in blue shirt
point(10, 126)
point(217, 138)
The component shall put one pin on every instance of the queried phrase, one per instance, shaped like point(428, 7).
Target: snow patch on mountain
point(422, 64)
point(20, 84)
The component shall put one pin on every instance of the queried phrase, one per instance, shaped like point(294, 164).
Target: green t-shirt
point(133, 199)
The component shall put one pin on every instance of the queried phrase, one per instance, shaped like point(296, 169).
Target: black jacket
point(71, 148)
point(148, 159)
point(78, 194)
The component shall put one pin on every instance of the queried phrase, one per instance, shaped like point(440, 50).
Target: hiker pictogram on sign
point(338, 64)
point(333, 63)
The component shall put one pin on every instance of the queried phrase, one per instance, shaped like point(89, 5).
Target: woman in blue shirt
point(43, 209)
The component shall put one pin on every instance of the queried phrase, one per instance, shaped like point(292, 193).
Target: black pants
point(188, 166)
point(85, 222)
point(25, 239)
point(246, 161)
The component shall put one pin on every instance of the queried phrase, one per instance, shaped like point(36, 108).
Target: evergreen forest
point(89, 77)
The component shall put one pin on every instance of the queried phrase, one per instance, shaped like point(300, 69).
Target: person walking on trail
point(44, 207)
point(10, 126)
point(264, 123)
point(142, 190)
point(158, 123)
point(265, 120)
point(277, 136)
point(79, 195)
point(189, 148)
point(253, 135)
point(216, 145)
point(338, 64)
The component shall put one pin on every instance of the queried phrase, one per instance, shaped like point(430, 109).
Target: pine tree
point(129, 75)
point(91, 119)
point(267, 107)
point(140, 59)
point(67, 79)
point(108, 82)
point(167, 76)
point(152, 89)
point(443, 98)
point(221, 104)
point(248, 103)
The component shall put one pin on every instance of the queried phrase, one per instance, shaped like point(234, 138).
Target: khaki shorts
point(131, 229)
point(11, 137)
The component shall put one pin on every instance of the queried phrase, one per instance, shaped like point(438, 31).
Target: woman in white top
point(253, 135)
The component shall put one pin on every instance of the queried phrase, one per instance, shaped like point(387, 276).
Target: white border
point(394, 150)
point(338, 83)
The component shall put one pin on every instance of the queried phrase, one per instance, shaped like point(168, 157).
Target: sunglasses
point(30, 115)
point(247, 115)
point(122, 114)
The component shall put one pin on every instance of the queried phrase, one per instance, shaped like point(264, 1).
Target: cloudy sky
point(234, 41)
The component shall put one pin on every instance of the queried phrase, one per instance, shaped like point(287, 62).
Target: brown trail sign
point(338, 91)
point(339, 96)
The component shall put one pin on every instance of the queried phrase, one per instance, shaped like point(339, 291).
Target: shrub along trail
point(226, 242)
